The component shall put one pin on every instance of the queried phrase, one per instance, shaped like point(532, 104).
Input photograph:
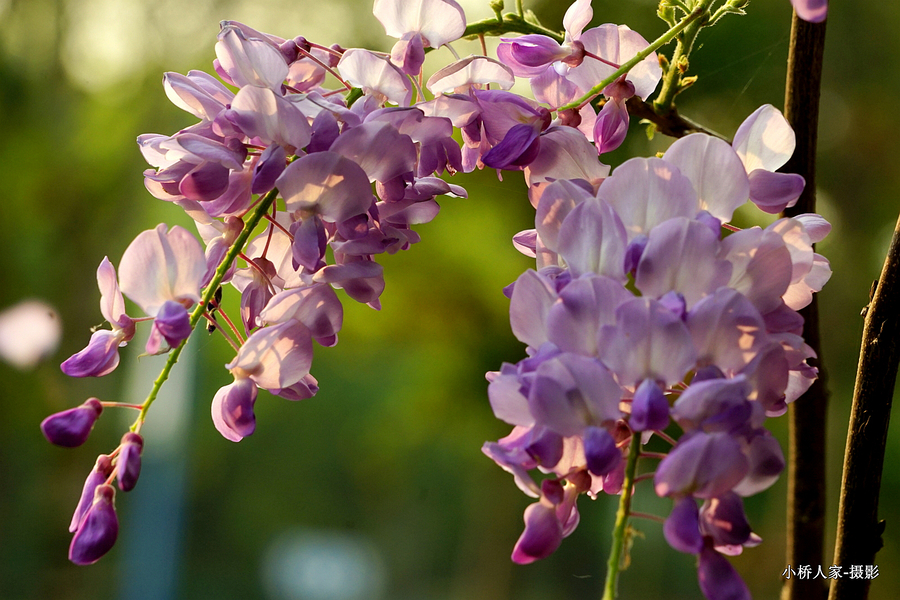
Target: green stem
point(622, 515)
point(628, 65)
point(219, 275)
point(511, 23)
point(672, 79)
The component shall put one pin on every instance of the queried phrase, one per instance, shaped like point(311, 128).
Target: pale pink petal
point(375, 74)
point(577, 17)
point(647, 191)
point(250, 61)
point(472, 70)
point(616, 44)
point(260, 112)
point(714, 169)
point(439, 21)
point(159, 266)
point(276, 357)
point(764, 140)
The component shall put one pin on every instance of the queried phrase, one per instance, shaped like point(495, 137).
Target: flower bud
point(98, 475)
point(128, 464)
point(71, 428)
point(649, 408)
point(600, 451)
point(98, 530)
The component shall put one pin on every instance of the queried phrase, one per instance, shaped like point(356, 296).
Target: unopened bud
point(98, 475)
point(99, 529)
point(128, 464)
point(71, 428)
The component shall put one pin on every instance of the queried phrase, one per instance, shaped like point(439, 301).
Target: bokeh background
point(376, 488)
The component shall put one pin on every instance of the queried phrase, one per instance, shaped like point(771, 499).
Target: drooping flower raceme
point(642, 313)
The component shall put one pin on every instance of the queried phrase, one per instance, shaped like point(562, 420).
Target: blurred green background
point(375, 488)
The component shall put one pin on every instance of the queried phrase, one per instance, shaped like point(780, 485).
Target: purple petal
point(814, 11)
point(611, 126)
point(327, 184)
point(647, 342)
point(362, 280)
point(270, 166)
point(766, 464)
point(565, 154)
point(316, 306)
point(542, 536)
point(71, 428)
point(207, 181)
point(100, 357)
point(714, 405)
point(439, 21)
point(98, 530)
point(232, 409)
point(649, 408)
point(472, 70)
point(365, 145)
point(718, 579)
point(515, 149)
point(616, 44)
point(727, 330)
point(681, 256)
point(600, 451)
point(173, 322)
point(159, 266)
point(532, 297)
point(592, 240)
point(773, 192)
point(260, 112)
point(585, 305)
point(409, 54)
point(704, 465)
point(249, 62)
point(682, 527)
point(764, 140)
point(723, 519)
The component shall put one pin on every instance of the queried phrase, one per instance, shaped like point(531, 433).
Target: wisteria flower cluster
point(645, 309)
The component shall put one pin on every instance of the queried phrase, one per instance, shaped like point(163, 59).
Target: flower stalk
point(622, 516)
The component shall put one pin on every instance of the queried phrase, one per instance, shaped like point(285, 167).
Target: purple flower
point(101, 356)
point(97, 530)
point(128, 463)
point(71, 428)
point(232, 409)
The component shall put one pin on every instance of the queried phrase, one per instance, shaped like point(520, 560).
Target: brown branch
point(669, 123)
point(806, 450)
point(859, 532)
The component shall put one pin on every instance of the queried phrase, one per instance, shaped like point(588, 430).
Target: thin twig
point(859, 531)
point(806, 451)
